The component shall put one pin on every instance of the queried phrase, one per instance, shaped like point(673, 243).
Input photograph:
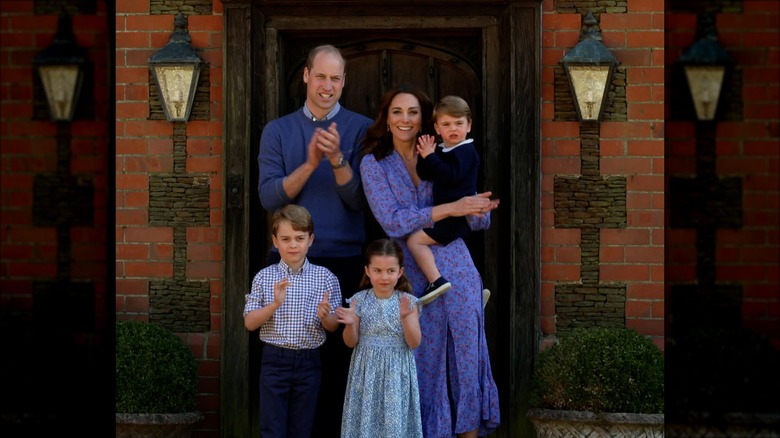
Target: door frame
point(512, 90)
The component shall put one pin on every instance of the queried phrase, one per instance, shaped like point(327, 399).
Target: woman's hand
point(478, 205)
point(474, 205)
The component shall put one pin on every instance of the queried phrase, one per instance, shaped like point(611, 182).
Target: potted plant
point(156, 382)
point(598, 382)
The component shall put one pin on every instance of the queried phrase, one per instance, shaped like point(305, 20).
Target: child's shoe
point(433, 290)
point(485, 297)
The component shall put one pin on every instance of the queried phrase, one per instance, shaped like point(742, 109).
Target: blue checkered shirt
point(294, 324)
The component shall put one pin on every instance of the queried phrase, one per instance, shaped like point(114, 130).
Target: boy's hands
point(323, 308)
point(426, 145)
point(280, 291)
point(327, 319)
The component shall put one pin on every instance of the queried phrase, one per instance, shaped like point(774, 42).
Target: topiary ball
point(600, 370)
point(155, 371)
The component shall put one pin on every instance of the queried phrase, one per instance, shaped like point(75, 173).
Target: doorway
point(465, 55)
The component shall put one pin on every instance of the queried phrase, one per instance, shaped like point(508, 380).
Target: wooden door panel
point(408, 68)
point(363, 87)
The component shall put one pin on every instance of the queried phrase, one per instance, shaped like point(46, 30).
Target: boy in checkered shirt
point(292, 303)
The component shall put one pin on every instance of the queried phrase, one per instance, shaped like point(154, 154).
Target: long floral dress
point(382, 398)
point(453, 349)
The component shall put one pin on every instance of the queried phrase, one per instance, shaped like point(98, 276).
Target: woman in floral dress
point(458, 395)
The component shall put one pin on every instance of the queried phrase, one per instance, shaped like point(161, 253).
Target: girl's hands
point(406, 309)
point(411, 326)
point(347, 315)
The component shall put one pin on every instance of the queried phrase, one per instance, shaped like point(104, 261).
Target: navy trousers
point(289, 387)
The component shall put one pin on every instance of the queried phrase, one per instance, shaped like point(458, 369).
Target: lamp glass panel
point(59, 83)
point(704, 82)
point(175, 85)
point(589, 83)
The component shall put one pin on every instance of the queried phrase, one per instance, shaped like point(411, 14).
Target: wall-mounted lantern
point(705, 63)
point(176, 69)
point(589, 68)
point(61, 69)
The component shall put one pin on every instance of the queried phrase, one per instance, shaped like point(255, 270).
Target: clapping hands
point(406, 309)
point(325, 143)
point(347, 315)
point(280, 290)
point(323, 308)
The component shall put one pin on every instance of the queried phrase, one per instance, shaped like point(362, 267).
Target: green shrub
point(600, 370)
point(155, 371)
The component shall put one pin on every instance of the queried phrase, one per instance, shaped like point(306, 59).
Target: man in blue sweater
point(310, 158)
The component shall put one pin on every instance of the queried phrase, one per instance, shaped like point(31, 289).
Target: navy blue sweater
point(453, 173)
point(337, 211)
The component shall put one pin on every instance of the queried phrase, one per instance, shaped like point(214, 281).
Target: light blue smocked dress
point(382, 398)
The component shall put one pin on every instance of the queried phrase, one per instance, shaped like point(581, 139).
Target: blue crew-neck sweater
point(337, 211)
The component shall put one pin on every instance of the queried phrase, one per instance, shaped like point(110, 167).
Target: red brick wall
point(144, 147)
point(29, 149)
point(632, 149)
point(54, 279)
point(746, 148)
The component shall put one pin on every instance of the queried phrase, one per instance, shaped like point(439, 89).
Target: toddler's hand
point(426, 145)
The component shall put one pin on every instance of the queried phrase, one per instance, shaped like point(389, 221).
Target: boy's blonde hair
point(298, 217)
point(452, 106)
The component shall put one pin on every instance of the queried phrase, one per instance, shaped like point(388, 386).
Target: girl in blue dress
point(382, 324)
